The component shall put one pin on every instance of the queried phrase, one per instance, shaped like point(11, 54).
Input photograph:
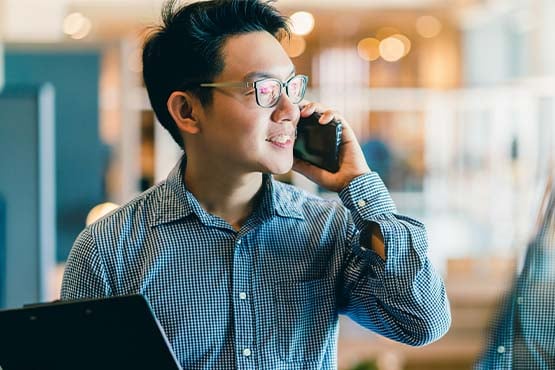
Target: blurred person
point(523, 335)
point(378, 156)
point(243, 271)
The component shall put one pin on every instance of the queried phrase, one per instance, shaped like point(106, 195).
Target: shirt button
point(243, 295)
point(501, 349)
point(247, 352)
point(238, 241)
point(361, 203)
point(519, 300)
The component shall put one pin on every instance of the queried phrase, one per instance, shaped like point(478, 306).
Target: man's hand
point(351, 164)
point(351, 159)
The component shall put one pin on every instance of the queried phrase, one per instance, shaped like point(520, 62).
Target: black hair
point(185, 49)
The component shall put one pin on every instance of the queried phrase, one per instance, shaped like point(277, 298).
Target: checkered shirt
point(267, 296)
point(523, 334)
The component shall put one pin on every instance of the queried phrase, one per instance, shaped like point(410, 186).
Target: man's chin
point(281, 168)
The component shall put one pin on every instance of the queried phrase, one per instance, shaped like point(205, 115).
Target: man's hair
point(186, 49)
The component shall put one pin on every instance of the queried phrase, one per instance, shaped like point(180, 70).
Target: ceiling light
point(294, 46)
point(392, 49)
point(77, 26)
point(405, 40)
point(302, 23)
point(369, 49)
point(428, 26)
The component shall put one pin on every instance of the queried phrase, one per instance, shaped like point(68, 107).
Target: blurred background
point(453, 102)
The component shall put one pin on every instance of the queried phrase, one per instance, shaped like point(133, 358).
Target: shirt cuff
point(367, 197)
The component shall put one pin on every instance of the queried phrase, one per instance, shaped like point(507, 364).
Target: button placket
point(242, 309)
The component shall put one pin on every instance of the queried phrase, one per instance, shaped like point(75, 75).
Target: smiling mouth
point(280, 139)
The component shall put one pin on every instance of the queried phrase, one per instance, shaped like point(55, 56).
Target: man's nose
point(285, 110)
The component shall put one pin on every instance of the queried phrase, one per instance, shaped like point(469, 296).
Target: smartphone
point(318, 144)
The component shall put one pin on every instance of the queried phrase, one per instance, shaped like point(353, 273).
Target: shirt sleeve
point(84, 275)
point(402, 298)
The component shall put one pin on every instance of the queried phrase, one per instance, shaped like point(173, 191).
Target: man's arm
point(389, 284)
point(400, 296)
point(84, 275)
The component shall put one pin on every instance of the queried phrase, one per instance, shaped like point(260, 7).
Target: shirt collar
point(176, 202)
point(278, 199)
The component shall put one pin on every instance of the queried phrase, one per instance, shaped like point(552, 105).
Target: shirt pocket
point(306, 319)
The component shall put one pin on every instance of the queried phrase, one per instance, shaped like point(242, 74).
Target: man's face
point(235, 130)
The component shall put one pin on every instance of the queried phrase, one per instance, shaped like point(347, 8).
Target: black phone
point(318, 144)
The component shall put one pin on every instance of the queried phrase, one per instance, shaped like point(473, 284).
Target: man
point(241, 270)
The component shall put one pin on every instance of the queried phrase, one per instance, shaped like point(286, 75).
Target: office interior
point(453, 102)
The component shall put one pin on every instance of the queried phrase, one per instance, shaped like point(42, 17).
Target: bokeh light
point(294, 46)
point(392, 49)
point(369, 49)
point(77, 26)
point(428, 26)
point(405, 40)
point(302, 23)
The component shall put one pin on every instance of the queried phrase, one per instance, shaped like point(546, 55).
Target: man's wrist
point(367, 197)
point(350, 179)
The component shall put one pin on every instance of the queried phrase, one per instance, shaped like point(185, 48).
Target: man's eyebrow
point(258, 75)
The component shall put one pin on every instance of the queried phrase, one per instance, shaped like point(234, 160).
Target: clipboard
point(107, 333)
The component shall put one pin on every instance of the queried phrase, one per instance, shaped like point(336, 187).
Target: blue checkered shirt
point(267, 296)
point(523, 334)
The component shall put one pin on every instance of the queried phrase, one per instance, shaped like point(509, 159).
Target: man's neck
point(230, 197)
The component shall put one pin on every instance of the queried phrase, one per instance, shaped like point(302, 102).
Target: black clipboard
point(108, 333)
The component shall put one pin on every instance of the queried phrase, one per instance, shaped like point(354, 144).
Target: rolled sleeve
point(403, 297)
point(367, 197)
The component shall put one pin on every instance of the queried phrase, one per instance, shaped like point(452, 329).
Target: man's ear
point(183, 106)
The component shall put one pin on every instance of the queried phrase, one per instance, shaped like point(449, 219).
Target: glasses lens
point(268, 92)
point(296, 89)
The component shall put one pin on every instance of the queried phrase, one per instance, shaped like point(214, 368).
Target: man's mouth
point(280, 139)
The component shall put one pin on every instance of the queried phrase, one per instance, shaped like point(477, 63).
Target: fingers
point(308, 108)
point(311, 172)
point(327, 115)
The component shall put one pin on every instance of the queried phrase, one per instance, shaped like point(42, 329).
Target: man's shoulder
point(139, 211)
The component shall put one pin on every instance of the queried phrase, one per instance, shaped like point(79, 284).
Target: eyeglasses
point(268, 90)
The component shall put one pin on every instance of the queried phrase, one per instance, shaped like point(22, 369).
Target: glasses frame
point(254, 84)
